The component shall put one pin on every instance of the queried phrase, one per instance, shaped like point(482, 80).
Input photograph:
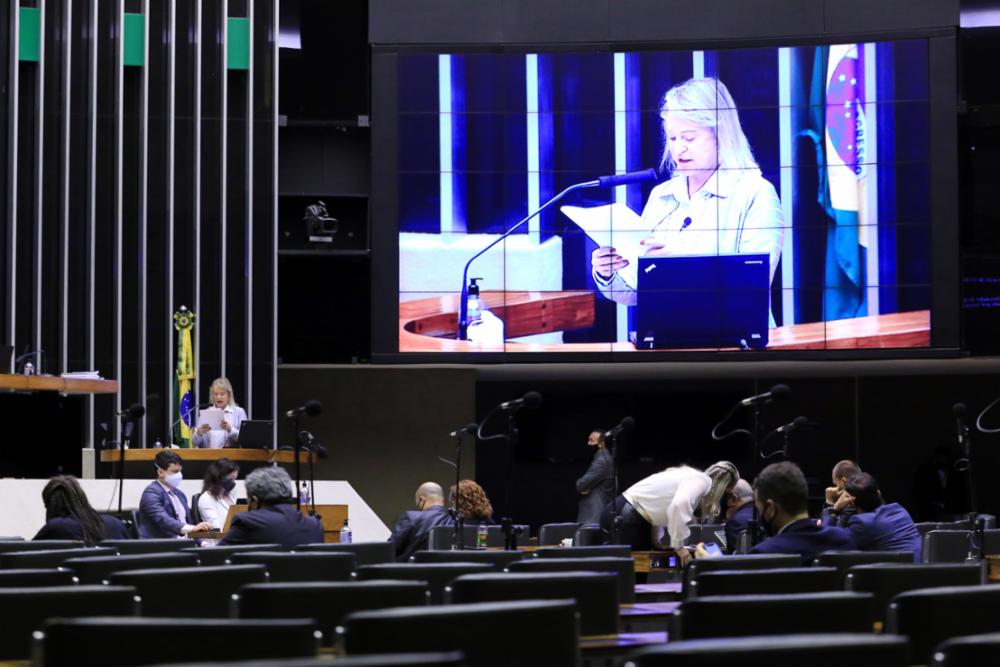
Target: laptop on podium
point(703, 301)
point(257, 434)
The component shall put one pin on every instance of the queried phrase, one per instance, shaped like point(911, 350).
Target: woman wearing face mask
point(232, 417)
point(716, 201)
point(216, 494)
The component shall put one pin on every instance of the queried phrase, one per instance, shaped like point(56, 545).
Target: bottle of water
point(482, 532)
point(304, 494)
point(345, 533)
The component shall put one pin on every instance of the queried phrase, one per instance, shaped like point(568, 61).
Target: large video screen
point(767, 199)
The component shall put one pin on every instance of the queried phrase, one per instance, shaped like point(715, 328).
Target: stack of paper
point(82, 375)
point(211, 416)
point(617, 226)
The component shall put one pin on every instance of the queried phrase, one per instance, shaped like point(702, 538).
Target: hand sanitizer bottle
point(484, 327)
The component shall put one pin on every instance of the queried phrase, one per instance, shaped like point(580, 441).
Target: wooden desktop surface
point(429, 325)
point(261, 455)
point(331, 516)
point(56, 383)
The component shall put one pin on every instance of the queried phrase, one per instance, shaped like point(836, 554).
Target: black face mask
point(229, 485)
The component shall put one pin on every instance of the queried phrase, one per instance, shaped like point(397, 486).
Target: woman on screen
point(232, 416)
point(715, 202)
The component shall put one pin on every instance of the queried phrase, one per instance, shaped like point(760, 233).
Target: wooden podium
point(429, 325)
point(256, 455)
point(58, 384)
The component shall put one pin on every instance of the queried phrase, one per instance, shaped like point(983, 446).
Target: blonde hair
point(724, 476)
point(225, 385)
point(707, 103)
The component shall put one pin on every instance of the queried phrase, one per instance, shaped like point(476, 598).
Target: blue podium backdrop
point(841, 131)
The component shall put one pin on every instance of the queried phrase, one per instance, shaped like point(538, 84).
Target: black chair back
point(95, 569)
point(527, 634)
point(624, 568)
point(845, 560)
point(121, 642)
point(219, 555)
point(195, 510)
point(589, 535)
point(596, 551)
point(285, 567)
point(742, 562)
point(887, 581)
point(924, 527)
point(555, 533)
point(954, 546)
point(127, 517)
point(50, 557)
point(150, 546)
point(327, 602)
point(32, 577)
point(445, 659)
point(930, 616)
point(767, 582)
point(437, 575)
point(748, 615)
point(202, 592)
point(365, 553)
point(24, 610)
point(443, 537)
point(818, 650)
point(972, 651)
point(500, 559)
point(39, 545)
point(596, 594)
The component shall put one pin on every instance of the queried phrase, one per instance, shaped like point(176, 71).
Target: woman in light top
point(655, 512)
point(216, 495)
point(716, 201)
point(233, 416)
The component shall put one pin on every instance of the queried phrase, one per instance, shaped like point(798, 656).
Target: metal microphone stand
point(611, 442)
point(122, 446)
point(298, 464)
point(458, 543)
point(506, 523)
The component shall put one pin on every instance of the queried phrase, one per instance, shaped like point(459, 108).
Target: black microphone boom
point(468, 428)
point(778, 392)
point(531, 400)
point(134, 411)
point(625, 426)
point(796, 423)
point(644, 176)
point(311, 408)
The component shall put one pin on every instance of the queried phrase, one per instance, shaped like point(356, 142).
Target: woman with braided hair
point(69, 516)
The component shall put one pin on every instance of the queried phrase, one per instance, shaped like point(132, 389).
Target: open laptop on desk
point(257, 434)
point(703, 301)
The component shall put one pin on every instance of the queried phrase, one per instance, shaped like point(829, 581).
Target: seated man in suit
point(876, 525)
point(163, 510)
point(273, 516)
point(837, 511)
point(739, 512)
point(780, 493)
point(413, 529)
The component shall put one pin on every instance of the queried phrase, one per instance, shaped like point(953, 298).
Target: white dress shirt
point(735, 212)
point(215, 510)
point(219, 438)
point(669, 500)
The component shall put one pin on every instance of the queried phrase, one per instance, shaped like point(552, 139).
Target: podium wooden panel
point(331, 516)
point(58, 384)
point(429, 325)
point(258, 455)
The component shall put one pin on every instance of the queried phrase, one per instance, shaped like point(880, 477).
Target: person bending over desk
point(233, 415)
point(273, 516)
point(663, 504)
point(716, 201)
point(69, 516)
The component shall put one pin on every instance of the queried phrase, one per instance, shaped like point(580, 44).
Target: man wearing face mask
point(164, 510)
point(273, 517)
point(413, 529)
point(780, 493)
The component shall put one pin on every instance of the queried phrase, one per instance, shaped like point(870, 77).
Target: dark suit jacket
point(281, 524)
point(736, 525)
point(413, 529)
point(600, 482)
point(68, 528)
point(157, 517)
point(888, 528)
point(805, 538)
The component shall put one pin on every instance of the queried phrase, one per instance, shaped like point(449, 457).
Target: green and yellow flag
point(184, 377)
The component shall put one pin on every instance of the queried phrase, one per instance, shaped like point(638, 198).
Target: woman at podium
point(219, 426)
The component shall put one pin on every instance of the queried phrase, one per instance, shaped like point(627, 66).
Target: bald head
point(428, 495)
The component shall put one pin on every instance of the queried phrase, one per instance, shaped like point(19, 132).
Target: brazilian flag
point(184, 377)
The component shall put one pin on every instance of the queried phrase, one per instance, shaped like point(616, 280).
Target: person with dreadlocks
point(69, 516)
point(655, 511)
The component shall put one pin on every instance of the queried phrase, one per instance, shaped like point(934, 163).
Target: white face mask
point(174, 479)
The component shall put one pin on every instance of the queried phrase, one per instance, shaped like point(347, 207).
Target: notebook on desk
point(702, 302)
point(257, 434)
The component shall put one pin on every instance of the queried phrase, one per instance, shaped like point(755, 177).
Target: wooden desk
point(331, 516)
point(993, 568)
point(56, 383)
point(429, 325)
point(259, 455)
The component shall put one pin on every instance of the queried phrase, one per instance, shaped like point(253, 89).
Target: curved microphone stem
point(463, 306)
point(979, 419)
